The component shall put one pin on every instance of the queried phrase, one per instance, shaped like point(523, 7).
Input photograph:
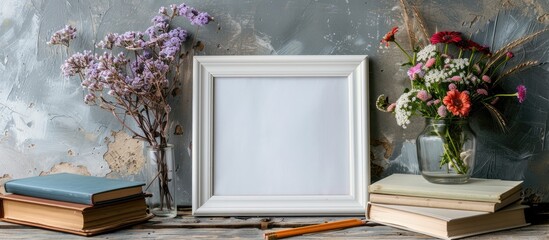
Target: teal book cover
point(74, 188)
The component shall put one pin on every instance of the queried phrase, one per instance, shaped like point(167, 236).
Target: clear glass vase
point(446, 151)
point(160, 174)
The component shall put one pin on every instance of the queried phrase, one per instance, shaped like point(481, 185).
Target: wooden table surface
point(189, 227)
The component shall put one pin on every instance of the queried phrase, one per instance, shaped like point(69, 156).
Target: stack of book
point(82, 205)
point(446, 211)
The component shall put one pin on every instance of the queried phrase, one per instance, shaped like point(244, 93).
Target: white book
point(446, 223)
point(484, 190)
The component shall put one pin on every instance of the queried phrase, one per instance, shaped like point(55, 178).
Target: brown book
point(446, 223)
point(72, 217)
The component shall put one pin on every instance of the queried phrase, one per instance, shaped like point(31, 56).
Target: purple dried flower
point(168, 52)
point(108, 42)
point(76, 63)
point(120, 60)
point(162, 10)
point(160, 22)
point(130, 40)
point(89, 98)
point(147, 54)
point(179, 33)
point(201, 19)
point(113, 77)
point(63, 36)
point(92, 72)
point(182, 10)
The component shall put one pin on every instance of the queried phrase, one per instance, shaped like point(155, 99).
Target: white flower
point(427, 52)
point(403, 110)
point(434, 76)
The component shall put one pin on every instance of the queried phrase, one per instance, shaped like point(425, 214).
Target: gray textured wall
point(45, 126)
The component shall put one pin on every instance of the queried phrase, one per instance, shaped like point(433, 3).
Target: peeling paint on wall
point(65, 167)
point(381, 151)
point(124, 154)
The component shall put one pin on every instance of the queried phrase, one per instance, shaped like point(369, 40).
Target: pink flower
point(415, 71)
point(437, 101)
point(456, 78)
point(521, 93)
point(391, 107)
point(430, 62)
point(509, 55)
point(493, 102)
point(442, 111)
point(452, 87)
point(423, 95)
point(482, 91)
point(486, 78)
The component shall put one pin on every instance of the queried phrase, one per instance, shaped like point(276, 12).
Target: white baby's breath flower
point(434, 76)
point(427, 52)
point(403, 110)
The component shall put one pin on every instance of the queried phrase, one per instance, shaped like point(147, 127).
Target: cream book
point(444, 203)
point(446, 223)
point(481, 190)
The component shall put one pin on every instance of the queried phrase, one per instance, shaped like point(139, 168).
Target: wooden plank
point(239, 228)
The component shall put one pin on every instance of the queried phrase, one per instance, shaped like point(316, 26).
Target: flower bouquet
point(135, 77)
point(451, 78)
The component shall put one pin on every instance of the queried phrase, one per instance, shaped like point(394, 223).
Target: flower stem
point(407, 55)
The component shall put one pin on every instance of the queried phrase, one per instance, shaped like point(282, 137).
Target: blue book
point(75, 188)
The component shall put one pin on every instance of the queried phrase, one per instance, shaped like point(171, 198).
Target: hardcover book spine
point(47, 193)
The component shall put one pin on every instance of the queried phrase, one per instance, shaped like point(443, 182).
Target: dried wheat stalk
point(517, 68)
point(421, 24)
point(497, 116)
point(501, 52)
point(407, 21)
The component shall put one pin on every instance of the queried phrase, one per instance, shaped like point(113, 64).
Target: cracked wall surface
point(45, 127)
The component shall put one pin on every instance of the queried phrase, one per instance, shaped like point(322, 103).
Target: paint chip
point(178, 130)
point(125, 154)
point(65, 167)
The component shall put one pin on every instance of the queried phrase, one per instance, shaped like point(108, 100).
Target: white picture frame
point(240, 171)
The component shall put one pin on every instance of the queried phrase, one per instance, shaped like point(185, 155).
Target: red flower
point(390, 36)
point(446, 37)
point(458, 103)
point(471, 45)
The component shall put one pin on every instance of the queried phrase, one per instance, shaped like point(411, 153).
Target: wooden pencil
point(313, 228)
